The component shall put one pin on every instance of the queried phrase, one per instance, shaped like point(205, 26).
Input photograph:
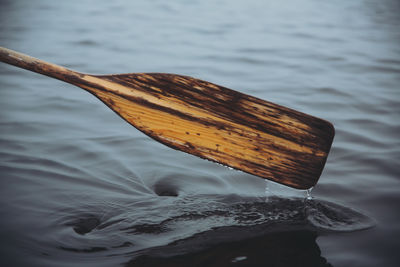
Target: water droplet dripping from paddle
point(308, 192)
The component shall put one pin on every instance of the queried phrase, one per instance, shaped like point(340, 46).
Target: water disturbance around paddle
point(203, 221)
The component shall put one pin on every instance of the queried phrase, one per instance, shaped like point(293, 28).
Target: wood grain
point(210, 121)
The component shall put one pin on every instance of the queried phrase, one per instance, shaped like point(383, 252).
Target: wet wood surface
point(208, 120)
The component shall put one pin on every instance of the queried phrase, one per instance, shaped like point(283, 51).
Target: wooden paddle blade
point(219, 124)
point(207, 120)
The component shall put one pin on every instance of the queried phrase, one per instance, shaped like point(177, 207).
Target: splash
point(308, 194)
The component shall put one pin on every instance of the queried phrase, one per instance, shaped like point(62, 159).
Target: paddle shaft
point(84, 81)
point(39, 66)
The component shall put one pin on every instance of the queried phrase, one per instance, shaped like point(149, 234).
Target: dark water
point(80, 187)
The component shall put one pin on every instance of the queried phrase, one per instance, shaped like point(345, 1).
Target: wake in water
point(195, 227)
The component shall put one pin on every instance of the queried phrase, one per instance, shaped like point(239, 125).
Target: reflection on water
point(281, 232)
point(281, 249)
point(81, 187)
point(214, 230)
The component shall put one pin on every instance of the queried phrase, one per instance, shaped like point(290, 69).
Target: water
point(267, 191)
point(79, 186)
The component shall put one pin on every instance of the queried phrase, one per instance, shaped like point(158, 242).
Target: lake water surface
point(80, 187)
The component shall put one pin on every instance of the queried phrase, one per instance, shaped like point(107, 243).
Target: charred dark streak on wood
point(296, 177)
point(320, 128)
point(112, 103)
point(133, 82)
point(291, 175)
point(301, 166)
point(171, 111)
point(190, 146)
point(184, 90)
point(61, 74)
point(185, 148)
point(289, 132)
point(169, 87)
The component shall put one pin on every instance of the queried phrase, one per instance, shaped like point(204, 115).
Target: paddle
point(208, 120)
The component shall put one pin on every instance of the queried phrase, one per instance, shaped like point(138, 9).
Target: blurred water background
point(80, 187)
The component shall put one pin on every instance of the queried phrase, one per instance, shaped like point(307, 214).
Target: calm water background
point(81, 186)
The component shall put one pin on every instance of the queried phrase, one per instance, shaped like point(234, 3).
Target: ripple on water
point(247, 221)
point(209, 219)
